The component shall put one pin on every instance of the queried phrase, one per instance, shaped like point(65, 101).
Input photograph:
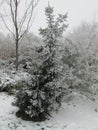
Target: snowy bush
point(40, 96)
point(10, 80)
point(77, 71)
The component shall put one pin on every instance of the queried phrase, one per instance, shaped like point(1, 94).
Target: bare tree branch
point(6, 25)
point(12, 12)
point(27, 13)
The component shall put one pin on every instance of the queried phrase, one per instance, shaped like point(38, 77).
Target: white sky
point(78, 11)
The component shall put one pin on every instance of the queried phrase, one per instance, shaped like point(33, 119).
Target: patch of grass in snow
point(13, 125)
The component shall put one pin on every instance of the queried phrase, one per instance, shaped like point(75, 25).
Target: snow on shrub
point(40, 96)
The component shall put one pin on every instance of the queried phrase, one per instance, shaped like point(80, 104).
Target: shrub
point(40, 96)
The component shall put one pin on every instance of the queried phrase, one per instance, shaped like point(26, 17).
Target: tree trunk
point(16, 55)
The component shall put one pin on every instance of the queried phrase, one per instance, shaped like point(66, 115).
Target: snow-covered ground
point(79, 113)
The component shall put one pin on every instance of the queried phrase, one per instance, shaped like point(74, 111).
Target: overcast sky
point(78, 11)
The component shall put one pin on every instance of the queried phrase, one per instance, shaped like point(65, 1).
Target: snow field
point(79, 113)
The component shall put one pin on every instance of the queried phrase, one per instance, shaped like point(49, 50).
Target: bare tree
point(22, 24)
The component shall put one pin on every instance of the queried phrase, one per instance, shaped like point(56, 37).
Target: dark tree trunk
point(16, 55)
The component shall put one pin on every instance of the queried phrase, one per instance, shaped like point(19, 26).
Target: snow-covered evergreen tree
point(43, 95)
